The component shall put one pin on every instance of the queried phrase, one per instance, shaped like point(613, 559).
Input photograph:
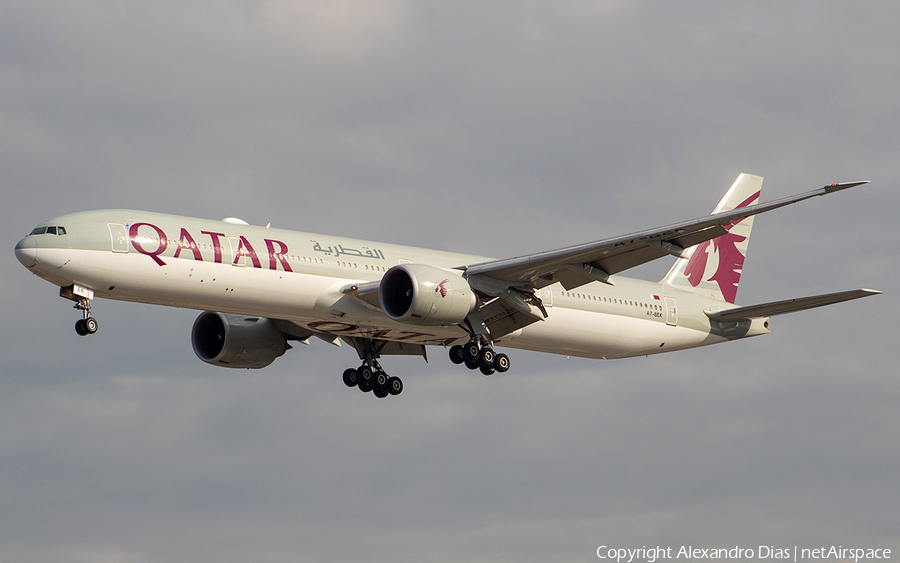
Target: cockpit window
point(49, 230)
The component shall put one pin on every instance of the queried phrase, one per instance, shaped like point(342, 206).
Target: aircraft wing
point(597, 261)
point(787, 306)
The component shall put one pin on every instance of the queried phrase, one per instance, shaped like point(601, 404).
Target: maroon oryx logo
point(730, 259)
point(442, 288)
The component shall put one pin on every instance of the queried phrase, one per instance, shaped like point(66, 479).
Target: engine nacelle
point(236, 341)
point(425, 295)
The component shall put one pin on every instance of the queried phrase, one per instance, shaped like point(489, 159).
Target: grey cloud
point(495, 128)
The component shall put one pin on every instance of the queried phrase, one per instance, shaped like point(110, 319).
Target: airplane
point(260, 288)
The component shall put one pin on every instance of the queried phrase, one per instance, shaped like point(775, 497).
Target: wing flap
point(501, 317)
point(385, 347)
point(787, 306)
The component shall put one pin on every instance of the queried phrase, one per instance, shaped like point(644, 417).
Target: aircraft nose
point(26, 252)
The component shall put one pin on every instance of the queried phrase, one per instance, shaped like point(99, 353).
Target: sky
point(495, 128)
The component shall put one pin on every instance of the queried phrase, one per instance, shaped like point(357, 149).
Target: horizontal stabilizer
point(788, 306)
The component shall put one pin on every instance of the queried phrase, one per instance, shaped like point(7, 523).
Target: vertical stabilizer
point(713, 268)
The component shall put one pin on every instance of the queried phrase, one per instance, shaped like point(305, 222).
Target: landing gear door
point(546, 296)
point(119, 237)
point(671, 312)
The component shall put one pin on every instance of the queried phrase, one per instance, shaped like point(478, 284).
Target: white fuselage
point(298, 277)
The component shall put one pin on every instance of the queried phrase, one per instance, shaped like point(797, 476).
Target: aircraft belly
point(312, 301)
point(187, 283)
point(599, 335)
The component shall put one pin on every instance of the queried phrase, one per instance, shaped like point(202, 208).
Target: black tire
point(350, 377)
point(79, 327)
point(486, 357)
point(364, 387)
point(90, 325)
point(364, 375)
point(395, 386)
point(380, 393)
point(471, 351)
point(471, 365)
point(501, 363)
point(380, 381)
point(487, 370)
point(457, 354)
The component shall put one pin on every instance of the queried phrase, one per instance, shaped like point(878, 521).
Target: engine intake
point(237, 341)
point(425, 295)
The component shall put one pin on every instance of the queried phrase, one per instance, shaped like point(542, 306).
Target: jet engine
point(425, 295)
point(237, 341)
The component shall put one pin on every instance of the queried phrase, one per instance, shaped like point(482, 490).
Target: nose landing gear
point(85, 326)
point(82, 297)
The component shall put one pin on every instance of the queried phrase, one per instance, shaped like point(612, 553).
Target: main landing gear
point(370, 377)
point(479, 355)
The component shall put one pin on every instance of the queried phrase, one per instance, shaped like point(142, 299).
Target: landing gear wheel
point(471, 365)
point(380, 393)
point(486, 370)
point(457, 354)
point(365, 376)
point(380, 381)
point(350, 377)
point(486, 357)
point(90, 325)
point(79, 327)
point(501, 363)
point(394, 385)
point(364, 386)
point(471, 351)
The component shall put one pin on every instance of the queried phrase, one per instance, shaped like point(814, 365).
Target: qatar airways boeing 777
point(260, 288)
